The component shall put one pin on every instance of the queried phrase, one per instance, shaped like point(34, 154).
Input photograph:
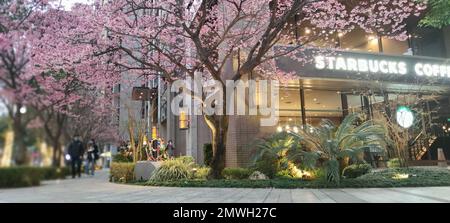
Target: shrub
point(268, 165)
point(208, 154)
point(356, 170)
point(186, 159)
point(317, 173)
point(272, 154)
point(122, 158)
point(178, 169)
point(121, 172)
point(20, 176)
point(54, 173)
point(201, 173)
point(284, 174)
point(236, 173)
point(394, 163)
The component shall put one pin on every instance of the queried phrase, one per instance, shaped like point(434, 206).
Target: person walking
point(155, 148)
point(76, 150)
point(170, 149)
point(91, 158)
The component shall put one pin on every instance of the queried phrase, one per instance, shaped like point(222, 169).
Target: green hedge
point(20, 177)
point(54, 173)
point(122, 158)
point(356, 170)
point(23, 176)
point(121, 172)
point(236, 173)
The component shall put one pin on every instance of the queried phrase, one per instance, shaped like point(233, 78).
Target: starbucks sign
point(382, 66)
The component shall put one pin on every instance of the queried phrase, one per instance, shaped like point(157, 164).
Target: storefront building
point(370, 75)
point(363, 77)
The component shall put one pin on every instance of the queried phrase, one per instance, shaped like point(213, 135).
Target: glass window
point(321, 104)
point(358, 40)
point(394, 47)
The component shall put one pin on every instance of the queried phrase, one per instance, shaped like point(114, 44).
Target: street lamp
point(23, 110)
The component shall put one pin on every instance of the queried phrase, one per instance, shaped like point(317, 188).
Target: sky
point(69, 3)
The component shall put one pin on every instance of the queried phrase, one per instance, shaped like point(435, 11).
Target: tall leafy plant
point(272, 154)
point(437, 14)
point(334, 145)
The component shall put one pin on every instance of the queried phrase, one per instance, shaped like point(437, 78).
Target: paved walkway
point(98, 189)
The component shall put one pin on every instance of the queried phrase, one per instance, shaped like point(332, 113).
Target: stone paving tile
point(373, 195)
point(435, 194)
point(254, 195)
point(307, 196)
point(323, 197)
point(340, 196)
point(98, 189)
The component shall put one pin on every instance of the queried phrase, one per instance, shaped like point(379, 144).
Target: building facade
point(368, 74)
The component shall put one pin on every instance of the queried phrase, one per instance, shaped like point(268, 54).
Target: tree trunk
point(19, 140)
point(219, 129)
point(56, 160)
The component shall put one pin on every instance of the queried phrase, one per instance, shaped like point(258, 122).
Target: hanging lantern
point(184, 122)
point(154, 132)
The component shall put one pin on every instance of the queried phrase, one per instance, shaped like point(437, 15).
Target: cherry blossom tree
point(177, 39)
point(17, 19)
point(73, 97)
point(33, 76)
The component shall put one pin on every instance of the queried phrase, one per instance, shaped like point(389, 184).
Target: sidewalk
point(98, 189)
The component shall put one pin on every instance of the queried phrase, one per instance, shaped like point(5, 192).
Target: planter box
point(145, 169)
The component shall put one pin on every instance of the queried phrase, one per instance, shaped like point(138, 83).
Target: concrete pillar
point(442, 161)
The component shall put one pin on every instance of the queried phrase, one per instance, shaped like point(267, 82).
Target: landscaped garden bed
point(326, 156)
point(396, 177)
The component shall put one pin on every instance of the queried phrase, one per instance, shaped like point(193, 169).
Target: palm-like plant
point(335, 144)
point(275, 146)
point(274, 151)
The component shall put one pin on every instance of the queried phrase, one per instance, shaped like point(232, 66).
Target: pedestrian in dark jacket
point(76, 150)
point(92, 157)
